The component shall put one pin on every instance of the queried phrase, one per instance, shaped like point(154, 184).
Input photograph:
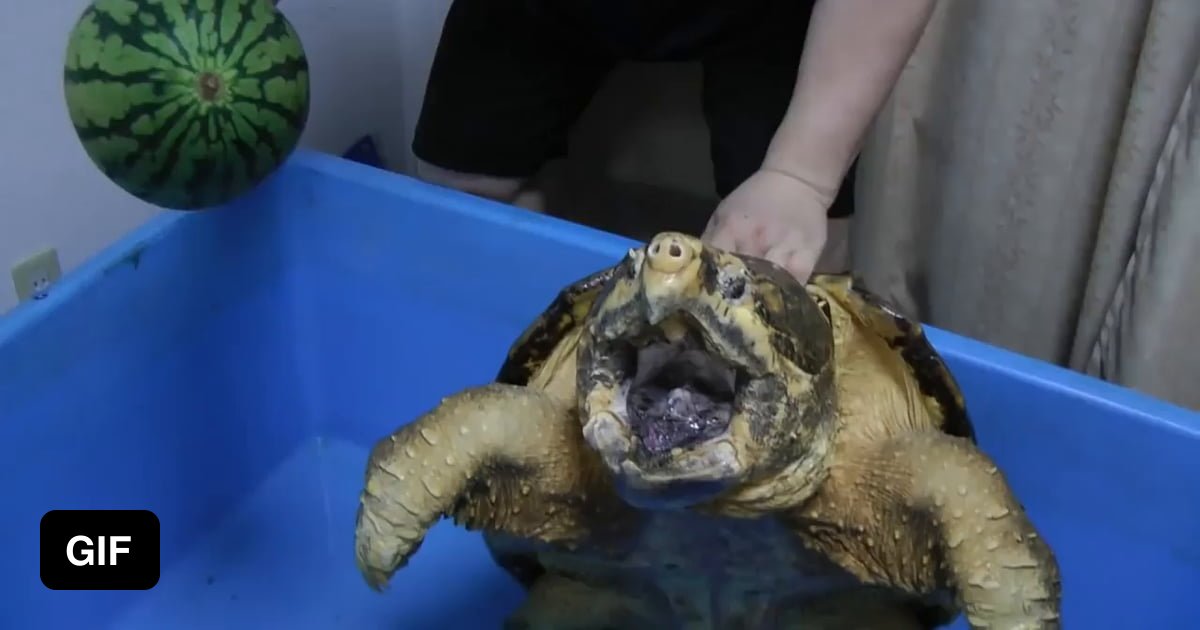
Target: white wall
point(52, 196)
point(369, 61)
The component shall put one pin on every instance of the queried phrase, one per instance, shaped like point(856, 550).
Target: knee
point(502, 189)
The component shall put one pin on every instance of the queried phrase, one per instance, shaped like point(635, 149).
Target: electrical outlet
point(33, 276)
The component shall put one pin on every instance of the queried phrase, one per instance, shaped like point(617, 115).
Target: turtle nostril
point(669, 253)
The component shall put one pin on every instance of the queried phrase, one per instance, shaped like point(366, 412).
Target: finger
point(762, 236)
point(712, 226)
point(721, 237)
point(795, 260)
point(780, 253)
point(801, 266)
point(747, 237)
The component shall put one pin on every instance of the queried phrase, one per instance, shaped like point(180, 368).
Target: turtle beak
point(670, 274)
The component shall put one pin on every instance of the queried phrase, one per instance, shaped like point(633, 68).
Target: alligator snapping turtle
point(693, 439)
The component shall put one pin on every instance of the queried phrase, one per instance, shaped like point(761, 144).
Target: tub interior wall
point(167, 382)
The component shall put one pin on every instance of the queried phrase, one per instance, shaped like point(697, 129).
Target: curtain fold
point(1034, 182)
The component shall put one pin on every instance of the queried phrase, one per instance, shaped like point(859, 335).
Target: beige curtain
point(1035, 183)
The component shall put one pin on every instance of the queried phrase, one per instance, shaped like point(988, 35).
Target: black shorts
point(510, 77)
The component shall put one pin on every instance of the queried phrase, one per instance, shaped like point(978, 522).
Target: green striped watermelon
point(186, 104)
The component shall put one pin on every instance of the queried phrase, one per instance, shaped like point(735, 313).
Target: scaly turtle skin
point(692, 439)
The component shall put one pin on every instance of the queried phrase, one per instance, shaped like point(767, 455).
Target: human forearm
point(853, 55)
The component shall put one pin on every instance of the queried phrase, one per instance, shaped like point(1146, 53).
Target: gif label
point(100, 550)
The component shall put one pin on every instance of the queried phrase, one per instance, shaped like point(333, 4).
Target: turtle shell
point(906, 337)
point(572, 305)
point(569, 308)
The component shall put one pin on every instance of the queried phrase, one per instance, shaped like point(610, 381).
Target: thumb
point(795, 258)
point(717, 233)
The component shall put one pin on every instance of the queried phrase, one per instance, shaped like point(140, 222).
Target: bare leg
point(559, 603)
point(516, 191)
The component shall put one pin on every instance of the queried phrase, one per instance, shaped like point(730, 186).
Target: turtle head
point(703, 373)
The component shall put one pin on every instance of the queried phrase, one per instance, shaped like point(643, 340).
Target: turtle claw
point(376, 579)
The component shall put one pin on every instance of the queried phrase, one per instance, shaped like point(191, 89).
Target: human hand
point(776, 216)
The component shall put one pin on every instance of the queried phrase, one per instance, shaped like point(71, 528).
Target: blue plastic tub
point(229, 370)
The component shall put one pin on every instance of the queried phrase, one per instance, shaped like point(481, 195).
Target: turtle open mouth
point(681, 394)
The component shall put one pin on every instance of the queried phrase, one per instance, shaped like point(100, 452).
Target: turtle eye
point(631, 263)
point(733, 287)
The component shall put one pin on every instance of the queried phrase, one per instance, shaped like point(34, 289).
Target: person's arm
point(853, 55)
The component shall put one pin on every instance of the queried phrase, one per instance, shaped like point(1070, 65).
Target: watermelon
point(186, 104)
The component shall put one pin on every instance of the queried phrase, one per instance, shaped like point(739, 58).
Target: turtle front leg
point(1005, 574)
point(497, 457)
point(960, 506)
